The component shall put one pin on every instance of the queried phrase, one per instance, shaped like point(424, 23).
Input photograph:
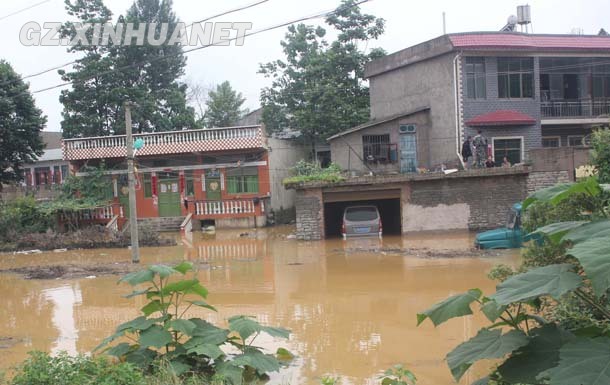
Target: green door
point(169, 197)
point(212, 189)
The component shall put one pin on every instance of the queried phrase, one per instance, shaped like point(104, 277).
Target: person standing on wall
point(480, 148)
point(467, 151)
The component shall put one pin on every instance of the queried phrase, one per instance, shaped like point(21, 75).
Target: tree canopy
point(107, 76)
point(319, 87)
point(223, 106)
point(20, 125)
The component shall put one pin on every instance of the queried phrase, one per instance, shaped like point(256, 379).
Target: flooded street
point(351, 305)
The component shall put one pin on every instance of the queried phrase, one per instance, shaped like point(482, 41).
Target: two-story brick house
point(219, 175)
point(523, 91)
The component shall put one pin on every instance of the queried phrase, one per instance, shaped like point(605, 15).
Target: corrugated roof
point(52, 154)
point(502, 118)
point(530, 42)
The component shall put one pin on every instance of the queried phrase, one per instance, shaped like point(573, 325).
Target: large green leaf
point(597, 229)
point(183, 326)
point(553, 280)
point(138, 277)
point(560, 192)
point(555, 231)
point(141, 357)
point(203, 304)
point(211, 335)
point(229, 373)
point(199, 290)
point(119, 350)
point(184, 267)
point(154, 306)
point(155, 336)
point(542, 353)
point(583, 361)
point(594, 256)
point(481, 381)
point(140, 323)
point(136, 293)
point(179, 286)
point(487, 344)
point(179, 367)
point(455, 306)
point(263, 363)
point(209, 350)
point(109, 339)
point(162, 270)
point(492, 309)
point(247, 326)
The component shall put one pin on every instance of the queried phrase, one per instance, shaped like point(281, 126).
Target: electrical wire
point(24, 9)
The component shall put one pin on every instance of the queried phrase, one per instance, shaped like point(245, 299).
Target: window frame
point(580, 138)
point(493, 146)
point(366, 147)
point(473, 74)
point(552, 137)
point(511, 74)
point(241, 181)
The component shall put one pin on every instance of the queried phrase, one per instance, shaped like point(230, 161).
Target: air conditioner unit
point(407, 129)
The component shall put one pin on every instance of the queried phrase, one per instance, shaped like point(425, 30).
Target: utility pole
point(133, 214)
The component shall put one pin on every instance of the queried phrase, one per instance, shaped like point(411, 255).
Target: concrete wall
point(347, 151)
point(530, 106)
point(283, 154)
point(425, 83)
point(473, 199)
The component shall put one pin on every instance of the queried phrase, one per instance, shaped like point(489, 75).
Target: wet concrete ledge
point(368, 180)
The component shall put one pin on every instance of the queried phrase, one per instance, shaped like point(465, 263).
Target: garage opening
point(389, 210)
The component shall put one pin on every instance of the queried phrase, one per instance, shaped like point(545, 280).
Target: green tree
point(223, 106)
point(319, 87)
point(20, 125)
point(601, 153)
point(106, 76)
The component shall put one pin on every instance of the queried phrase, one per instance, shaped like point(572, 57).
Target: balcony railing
point(575, 109)
point(225, 208)
point(158, 143)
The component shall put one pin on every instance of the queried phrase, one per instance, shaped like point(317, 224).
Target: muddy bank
point(425, 252)
point(88, 238)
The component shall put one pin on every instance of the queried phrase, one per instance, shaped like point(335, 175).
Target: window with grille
point(376, 147)
point(515, 78)
point(475, 78)
point(575, 140)
point(551, 141)
point(509, 148)
point(242, 180)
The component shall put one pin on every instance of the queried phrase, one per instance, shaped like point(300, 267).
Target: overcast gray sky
point(407, 22)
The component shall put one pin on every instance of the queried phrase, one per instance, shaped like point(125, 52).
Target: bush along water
point(189, 346)
point(550, 322)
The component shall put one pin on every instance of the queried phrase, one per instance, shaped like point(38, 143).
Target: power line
point(241, 8)
point(315, 16)
point(24, 9)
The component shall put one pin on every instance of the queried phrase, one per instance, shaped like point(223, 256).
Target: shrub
point(312, 172)
point(600, 142)
point(191, 347)
point(22, 215)
point(42, 369)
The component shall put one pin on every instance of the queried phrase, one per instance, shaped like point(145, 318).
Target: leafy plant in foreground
point(398, 375)
point(188, 345)
point(535, 350)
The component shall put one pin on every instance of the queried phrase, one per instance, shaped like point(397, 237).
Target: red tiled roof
point(502, 118)
point(518, 41)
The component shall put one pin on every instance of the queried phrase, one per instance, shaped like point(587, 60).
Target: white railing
point(224, 207)
point(187, 225)
point(113, 224)
point(572, 109)
point(164, 138)
point(89, 214)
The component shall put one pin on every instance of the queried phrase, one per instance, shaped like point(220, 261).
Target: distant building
point(43, 177)
point(523, 91)
point(219, 175)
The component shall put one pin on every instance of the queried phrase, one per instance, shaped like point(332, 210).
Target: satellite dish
point(512, 20)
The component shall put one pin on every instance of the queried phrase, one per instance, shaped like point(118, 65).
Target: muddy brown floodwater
point(351, 305)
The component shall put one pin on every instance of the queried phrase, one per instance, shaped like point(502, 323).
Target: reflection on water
point(351, 305)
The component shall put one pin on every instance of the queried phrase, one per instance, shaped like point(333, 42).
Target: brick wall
point(310, 214)
point(544, 179)
point(473, 203)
